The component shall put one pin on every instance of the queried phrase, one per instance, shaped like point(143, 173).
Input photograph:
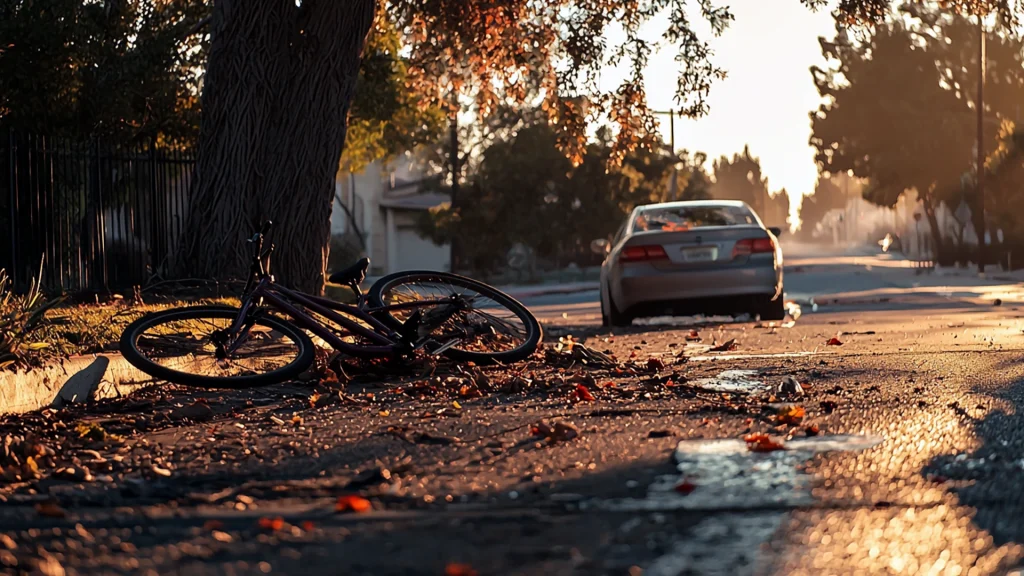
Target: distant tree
point(740, 178)
point(524, 190)
point(776, 211)
point(899, 102)
point(827, 196)
point(1006, 185)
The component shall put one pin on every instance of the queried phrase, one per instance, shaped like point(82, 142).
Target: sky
point(765, 99)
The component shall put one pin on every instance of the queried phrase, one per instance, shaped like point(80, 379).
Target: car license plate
point(700, 254)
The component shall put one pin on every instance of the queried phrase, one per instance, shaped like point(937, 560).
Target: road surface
point(908, 457)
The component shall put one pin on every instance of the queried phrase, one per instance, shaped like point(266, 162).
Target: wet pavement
point(905, 458)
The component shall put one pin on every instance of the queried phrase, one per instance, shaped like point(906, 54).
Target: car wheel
point(612, 317)
point(773, 309)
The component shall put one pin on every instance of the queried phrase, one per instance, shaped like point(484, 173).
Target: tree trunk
point(933, 224)
point(276, 96)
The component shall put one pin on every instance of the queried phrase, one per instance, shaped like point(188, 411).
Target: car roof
point(694, 204)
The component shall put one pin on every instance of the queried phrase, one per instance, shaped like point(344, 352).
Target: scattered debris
point(655, 364)
point(198, 411)
point(791, 415)
point(685, 487)
point(693, 336)
point(50, 510)
point(559, 432)
point(352, 503)
point(829, 406)
point(660, 434)
point(272, 524)
point(833, 341)
point(728, 346)
point(812, 430)
point(791, 387)
point(762, 443)
point(454, 569)
point(582, 394)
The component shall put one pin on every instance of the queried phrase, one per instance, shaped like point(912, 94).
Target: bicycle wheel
point(179, 346)
point(494, 327)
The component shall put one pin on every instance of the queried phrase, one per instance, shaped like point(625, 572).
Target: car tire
point(611, 317)
point(773, 309)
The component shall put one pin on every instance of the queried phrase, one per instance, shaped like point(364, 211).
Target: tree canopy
point(900, 101)
point(523, 190)
point(122, 70)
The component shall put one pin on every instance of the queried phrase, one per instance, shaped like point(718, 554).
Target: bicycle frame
point(386, 341)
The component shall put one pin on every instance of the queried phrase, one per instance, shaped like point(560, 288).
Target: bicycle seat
point(354, 274)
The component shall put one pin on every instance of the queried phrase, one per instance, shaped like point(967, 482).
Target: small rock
point(197, 412)
point(791, 387)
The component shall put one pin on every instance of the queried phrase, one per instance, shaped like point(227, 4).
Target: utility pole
point(674, 183)
point(454, 161)
point(980, 219)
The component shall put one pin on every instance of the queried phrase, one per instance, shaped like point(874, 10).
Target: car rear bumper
point(639, 285)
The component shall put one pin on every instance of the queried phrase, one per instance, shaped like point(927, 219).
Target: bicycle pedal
point(445, 347)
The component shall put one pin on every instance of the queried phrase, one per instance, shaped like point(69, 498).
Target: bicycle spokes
point(458, 315)
point(206, 346)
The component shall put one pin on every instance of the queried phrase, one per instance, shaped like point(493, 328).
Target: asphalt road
point(907, 460)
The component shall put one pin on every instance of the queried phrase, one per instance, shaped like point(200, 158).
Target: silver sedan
point(681, 258)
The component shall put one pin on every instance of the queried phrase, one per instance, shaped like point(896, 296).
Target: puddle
point(733, 381)
point(729, 477)
point(741, 356)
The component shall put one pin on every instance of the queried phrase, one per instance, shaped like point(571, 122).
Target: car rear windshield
point(682, 218)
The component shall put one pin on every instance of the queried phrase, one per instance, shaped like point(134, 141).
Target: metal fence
point(98, 217)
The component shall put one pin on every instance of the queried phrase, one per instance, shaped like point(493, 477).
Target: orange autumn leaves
point(352, 504)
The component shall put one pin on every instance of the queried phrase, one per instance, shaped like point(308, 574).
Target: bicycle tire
point(534, 331)
point(131, 353)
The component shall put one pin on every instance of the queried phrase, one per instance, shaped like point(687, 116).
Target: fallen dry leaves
point(353, 503)
point(582, 394)
point(727, 346)
point(685, 487)
point(50, 510)
point(833, 341)
point(791, 415)
point(272, 524)
point(655, 364)
point(558, 432)
point(456, 569)
point(762, 443)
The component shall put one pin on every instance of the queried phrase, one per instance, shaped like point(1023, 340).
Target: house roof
point(416, 200)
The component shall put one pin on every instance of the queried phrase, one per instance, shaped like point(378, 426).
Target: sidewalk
point(521, 291)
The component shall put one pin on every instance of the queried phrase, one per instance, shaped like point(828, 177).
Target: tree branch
point(200, 25)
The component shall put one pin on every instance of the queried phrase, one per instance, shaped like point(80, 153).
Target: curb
point(75, 379)
point(527, 293)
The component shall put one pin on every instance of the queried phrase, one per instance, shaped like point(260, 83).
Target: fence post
point(12, 197)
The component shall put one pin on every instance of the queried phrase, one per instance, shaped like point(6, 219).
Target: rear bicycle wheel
point(187, 345)
point(491, 326)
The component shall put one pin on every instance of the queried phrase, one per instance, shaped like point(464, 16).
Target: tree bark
point(276, 96)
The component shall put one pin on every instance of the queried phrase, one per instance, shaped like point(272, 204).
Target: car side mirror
point(600, 246)
point(775, 230)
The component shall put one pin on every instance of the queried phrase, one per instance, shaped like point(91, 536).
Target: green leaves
point(20, 316)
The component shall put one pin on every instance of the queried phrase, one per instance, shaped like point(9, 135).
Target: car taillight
point(753, 246)
point(641, 253)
